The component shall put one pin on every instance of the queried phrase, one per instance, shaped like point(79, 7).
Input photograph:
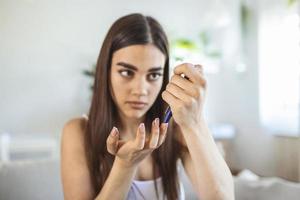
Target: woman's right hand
point(131, 152)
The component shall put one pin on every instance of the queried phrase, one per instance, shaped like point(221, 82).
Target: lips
point(137, 104)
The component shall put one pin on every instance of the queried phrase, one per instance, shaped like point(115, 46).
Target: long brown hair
point(129, 30)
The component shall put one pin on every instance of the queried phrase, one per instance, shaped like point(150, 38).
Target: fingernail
point(156, 121)
point(142, 126)
point(114, 131)
point(166, 125)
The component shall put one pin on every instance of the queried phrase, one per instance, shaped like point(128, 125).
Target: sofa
point(30, 180)
point(36, 180)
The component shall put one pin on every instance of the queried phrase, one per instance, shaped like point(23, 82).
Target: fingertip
point(140, 132)
point(164, 126)
point(156, 121)
point(140, 138)
point(114, 132)
point(142, 128)
point(163, 133)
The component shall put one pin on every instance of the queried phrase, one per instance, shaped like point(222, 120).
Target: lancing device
point(168, 113)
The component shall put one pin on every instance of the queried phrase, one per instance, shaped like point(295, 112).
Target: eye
point(126, 73)
point(154, 76)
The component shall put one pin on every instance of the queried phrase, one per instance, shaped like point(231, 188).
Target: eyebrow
point(134, 68)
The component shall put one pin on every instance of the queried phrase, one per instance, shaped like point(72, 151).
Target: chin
point(135, 114)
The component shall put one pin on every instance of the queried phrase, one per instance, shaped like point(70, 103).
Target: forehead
point(141, 56)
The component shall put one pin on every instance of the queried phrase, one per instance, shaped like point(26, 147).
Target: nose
point(140, 87)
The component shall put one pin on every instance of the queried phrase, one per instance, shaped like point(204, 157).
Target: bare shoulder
point(72, 140)
point(73, 130)
point(74, 169)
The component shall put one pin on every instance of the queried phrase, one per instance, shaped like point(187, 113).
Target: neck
point(129, 126)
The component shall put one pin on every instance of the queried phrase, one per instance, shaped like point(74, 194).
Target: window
point(279, 68)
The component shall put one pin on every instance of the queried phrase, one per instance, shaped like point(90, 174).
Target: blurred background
point(251, 57)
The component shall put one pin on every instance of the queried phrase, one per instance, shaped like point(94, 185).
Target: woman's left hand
point(186, 96)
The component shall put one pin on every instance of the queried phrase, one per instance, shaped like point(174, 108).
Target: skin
point(132, 146)
point(212, 179)
point(135, 85)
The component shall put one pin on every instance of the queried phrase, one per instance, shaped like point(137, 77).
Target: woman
point(121, 150)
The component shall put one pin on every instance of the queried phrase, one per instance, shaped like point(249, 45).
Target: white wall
point(44, 46)
point(233, 98)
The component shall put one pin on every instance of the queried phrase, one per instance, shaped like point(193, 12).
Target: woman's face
point(136, 78)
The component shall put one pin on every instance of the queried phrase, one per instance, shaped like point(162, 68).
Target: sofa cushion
point(249, 186)
point(30, 180)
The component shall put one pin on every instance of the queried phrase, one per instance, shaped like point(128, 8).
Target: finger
point(171, 99)
point(112, 141)
point(154, 134)
point(189, 71)
point(120, 143)
point(140, 137)
point(202, 80)
point(186, 85)
point(163, 133)
point(177, 92)
point(181, 82)
point(199, 68)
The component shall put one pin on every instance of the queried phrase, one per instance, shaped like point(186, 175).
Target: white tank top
point(145, 190)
